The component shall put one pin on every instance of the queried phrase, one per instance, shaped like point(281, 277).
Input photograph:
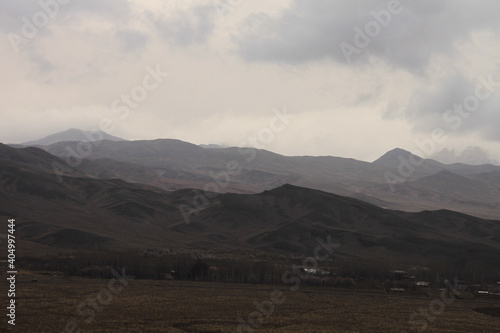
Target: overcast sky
point(360, 76)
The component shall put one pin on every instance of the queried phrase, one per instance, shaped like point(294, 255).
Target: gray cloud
point(27, 23)
point(118, 9)
point(417, 33)
point(428, 104)
point(393, 110)
point(132, 40)
point(489, 119)
point(186, 27)
point(311, 31)
point(12, 12)
point(434, 106)
point(471, 155)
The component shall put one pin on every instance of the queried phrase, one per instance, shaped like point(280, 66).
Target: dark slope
point(30, 158)
point(450, 190)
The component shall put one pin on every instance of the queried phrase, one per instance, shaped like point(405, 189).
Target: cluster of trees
point(251, 270)
point(172, 266)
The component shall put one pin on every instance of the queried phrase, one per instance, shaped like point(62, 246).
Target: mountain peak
point(73, 134)
point(394, 155)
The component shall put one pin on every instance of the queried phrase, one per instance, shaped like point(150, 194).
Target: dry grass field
point(56, 304)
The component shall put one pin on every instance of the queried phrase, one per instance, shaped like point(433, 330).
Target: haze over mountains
point(471, 155)
point(82, 212)
point(286, 166)
point(397, 180)
point(73, 134)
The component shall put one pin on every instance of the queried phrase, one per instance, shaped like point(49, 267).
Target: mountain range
point(397, 180)
point(81, 212)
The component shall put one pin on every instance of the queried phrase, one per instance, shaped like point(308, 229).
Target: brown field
point(178, 306)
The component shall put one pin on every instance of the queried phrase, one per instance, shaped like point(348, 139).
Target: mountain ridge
point(174, 164)
point(115, 215)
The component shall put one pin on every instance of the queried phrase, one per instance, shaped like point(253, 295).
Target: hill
point(490, 178)
point(451, 191)
point(73, 134)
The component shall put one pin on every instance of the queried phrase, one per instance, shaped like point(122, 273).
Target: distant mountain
point(258, 169)
point(490, 178)
point(73, 134)
point(174, 164)
point(451, 183)
point(452, 191)
point(413, 166)
point(400, 159)
point(471, 156)
point(88, 213)
point(395, 155)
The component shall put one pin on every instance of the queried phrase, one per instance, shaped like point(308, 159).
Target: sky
point(297, 77)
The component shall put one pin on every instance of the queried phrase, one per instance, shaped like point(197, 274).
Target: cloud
point(117, 9)
point(187, 26)
point(228, 73)
point(471, 155)
point(452, 104)
point(28, 25)
point(314, 30)
point(13, 12)
point(424, 38)
point(132, 40)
